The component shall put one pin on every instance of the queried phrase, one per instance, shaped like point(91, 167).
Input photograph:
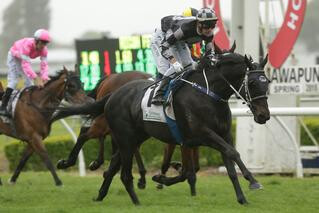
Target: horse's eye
point(262, 78)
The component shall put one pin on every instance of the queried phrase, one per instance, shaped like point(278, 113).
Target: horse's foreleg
point(229, 153)
point(40, 149)
point(229, 164)
point(94, 165)
point(25, 156)
point(253, 184)
point(63, 164)
point(142, 181)
point(99, 129)
point(108, 175)
point(126, 173)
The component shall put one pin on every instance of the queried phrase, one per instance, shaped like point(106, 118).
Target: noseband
point(249, 98)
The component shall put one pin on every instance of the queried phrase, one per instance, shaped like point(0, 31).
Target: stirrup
point(5, 113)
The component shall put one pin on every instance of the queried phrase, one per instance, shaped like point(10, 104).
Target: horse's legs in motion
point(39, 148)
point(127, 144)
point(142, 181)
point(253, 183)
point(229, 164)
point(108, 175)
point(25, 156)
point(126, 171)
point(83, 137)
point(188, 170)
point(229, 152)
point(94, 165)
point(168, 153)
point(188, 163)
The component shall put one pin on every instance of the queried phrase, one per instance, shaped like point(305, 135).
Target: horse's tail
point(92, 109)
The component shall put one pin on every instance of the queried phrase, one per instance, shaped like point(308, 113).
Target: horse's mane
point(93, 92)
point(55, 77)
point(52, 79)
point(226, 58)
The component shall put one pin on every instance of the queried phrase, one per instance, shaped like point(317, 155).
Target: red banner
point(284, 41)
point(220, 37)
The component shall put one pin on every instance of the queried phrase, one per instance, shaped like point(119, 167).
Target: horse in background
point(31, 119)
point(99, 128)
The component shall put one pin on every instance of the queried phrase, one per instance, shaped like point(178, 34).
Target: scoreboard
point(99, 57)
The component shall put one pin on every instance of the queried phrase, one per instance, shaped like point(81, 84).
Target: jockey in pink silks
point(19, 63)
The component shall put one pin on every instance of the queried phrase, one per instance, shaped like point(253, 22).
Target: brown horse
point(30, 122)
point(99, 128)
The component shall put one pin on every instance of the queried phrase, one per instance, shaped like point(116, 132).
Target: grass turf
point(35, 192)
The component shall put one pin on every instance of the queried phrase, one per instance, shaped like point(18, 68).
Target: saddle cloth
point(153, 112)
point(15, 95)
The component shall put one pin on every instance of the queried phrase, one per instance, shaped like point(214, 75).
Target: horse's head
point(255, 90)
point(74, 92)
point(234, 73)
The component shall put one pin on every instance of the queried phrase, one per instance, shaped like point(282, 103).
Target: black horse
point(202, 120)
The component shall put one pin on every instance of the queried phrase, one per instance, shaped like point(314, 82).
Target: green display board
point(100, 57)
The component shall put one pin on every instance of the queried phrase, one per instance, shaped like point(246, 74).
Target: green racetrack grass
point(35, 192)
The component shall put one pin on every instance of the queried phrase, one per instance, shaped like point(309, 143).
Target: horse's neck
point(51, 94)
point(216, 84)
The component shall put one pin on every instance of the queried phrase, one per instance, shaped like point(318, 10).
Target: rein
point(248, 100)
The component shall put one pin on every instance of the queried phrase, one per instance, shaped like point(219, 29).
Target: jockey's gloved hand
point(177, 67)
point(195, 65)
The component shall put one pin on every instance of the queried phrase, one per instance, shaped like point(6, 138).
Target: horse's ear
point(233, 47)
point(248, 62)
point(217, 49)
point(264, 62)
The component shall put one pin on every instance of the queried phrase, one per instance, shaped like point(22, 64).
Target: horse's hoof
point(136, 203)
point(159, 186)
point(242, 200)
point(94, 165)
point(158, 178)
point(141, 184)
point(97, 199)
point(62, 164)
point(255, 186)
point(59, 183)
point(11, 182)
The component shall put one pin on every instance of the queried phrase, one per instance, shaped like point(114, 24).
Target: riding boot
point(5, 100)
point(159, 99)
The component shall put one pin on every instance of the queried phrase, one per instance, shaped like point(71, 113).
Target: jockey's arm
point(170, 39)
point(209, 47)
point(23, 55)
point(44, 68)
point(26, 67)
